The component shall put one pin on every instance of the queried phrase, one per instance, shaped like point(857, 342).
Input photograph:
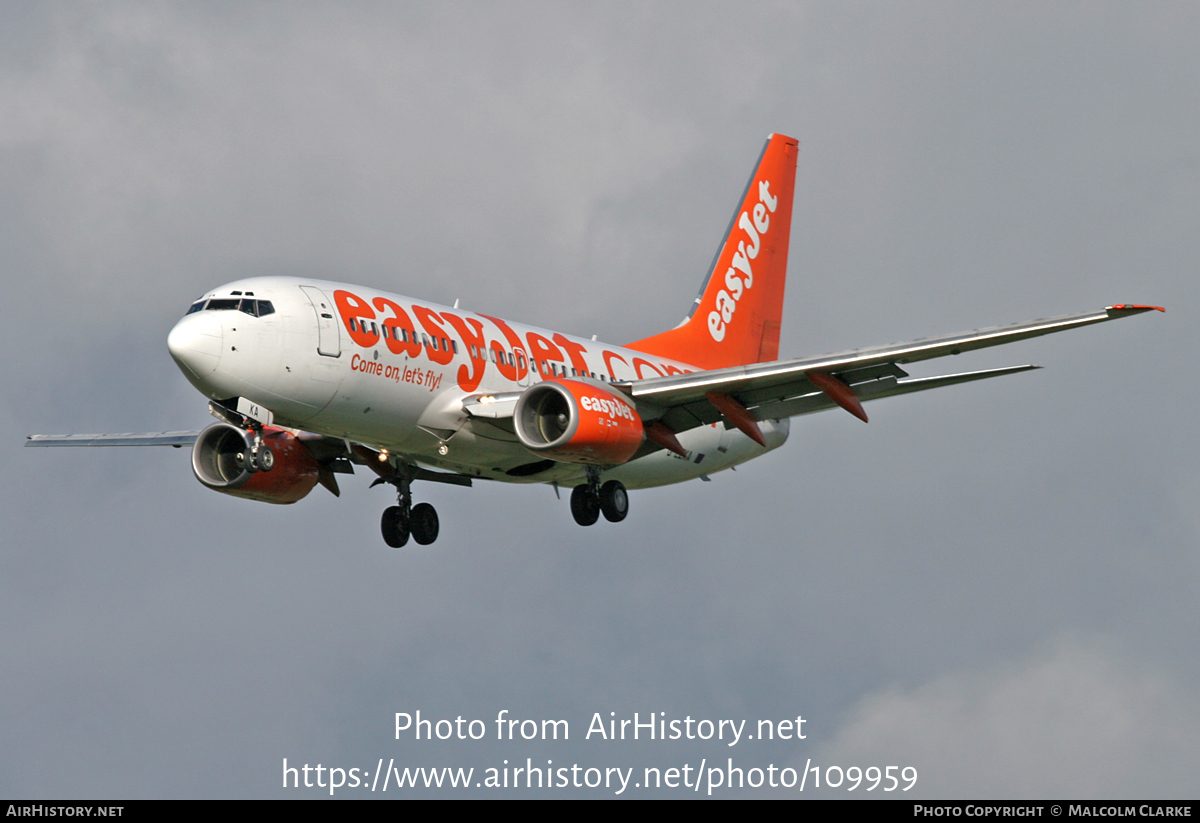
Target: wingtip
point(1134, 307)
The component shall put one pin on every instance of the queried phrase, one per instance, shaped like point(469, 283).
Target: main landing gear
point(592, 499)
point(404, 519)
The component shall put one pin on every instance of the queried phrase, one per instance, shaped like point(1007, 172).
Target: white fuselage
point(322, 361)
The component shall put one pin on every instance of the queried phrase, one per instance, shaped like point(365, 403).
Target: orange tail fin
point(735, 320)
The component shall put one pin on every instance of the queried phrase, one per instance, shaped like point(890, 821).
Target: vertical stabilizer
point(735, 320)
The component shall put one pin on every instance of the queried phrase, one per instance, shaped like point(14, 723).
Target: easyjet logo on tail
point(755, 227)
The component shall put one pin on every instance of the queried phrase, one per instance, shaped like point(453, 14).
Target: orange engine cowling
point(576, 422)
point(216, 464)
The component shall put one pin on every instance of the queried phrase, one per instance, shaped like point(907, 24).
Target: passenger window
point(353, 327)
point(454, 346)
point(492, 352)
point(265, 308)
point(425, 340)
point(374, 330)
point(520, 360)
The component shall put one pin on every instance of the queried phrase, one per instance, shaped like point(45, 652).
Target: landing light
point(383, 456)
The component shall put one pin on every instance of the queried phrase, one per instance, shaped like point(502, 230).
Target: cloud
point(1081, 718)
point(572, 166)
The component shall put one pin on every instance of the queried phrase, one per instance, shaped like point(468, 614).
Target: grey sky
point(995, 583)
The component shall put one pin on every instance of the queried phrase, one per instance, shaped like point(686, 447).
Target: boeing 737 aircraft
point(309, 378)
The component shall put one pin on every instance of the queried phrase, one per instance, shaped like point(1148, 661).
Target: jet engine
point(219, 460)
point(576, 422)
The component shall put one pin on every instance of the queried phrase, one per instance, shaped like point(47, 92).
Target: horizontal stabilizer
point(176, 439)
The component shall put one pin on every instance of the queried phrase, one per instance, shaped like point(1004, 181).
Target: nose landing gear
point(592, 499)
point(258, 457)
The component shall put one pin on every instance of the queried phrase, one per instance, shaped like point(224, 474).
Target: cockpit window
point(252, 307)
point(247, 305)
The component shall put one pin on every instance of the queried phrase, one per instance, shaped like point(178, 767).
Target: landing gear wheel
point(614, 501)
point(265, 459)
point(395, 530)
point(424, 523)
point(585, 506)
point(246, 461)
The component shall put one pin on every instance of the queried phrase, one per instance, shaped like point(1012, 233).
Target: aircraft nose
point(195, 344)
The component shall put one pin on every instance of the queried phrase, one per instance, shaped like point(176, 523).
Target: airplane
point(310, 378)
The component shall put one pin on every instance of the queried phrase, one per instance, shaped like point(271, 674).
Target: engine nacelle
point(576, 422)
point(216, 465)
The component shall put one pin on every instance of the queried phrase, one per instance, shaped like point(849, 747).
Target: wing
point(761, 391)
point(176, 439)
